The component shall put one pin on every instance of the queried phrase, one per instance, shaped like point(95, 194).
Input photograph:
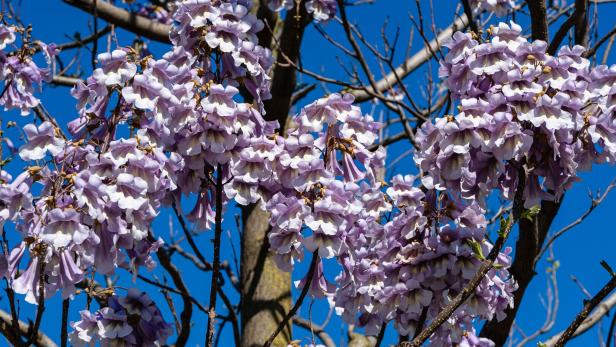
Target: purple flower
point(322, 10)
point(115, 68)
point(7, 36)
point(40, 140)
point(64, 227)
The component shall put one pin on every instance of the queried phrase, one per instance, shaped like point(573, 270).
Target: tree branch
point(581, 22)
point(588, 307)
point(602, 310)
point(318, 330)
point(592, 51)
point(594, 202)
point(216, 262)
point(80, 42)
point(412, 63)
point(186, 315)
point(538, 17)
point(40, 338)
point(64, 80)
point(128, 20)
point(532, 235)
point(64, 332)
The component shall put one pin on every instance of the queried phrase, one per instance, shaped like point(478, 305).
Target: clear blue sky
point(579, 251)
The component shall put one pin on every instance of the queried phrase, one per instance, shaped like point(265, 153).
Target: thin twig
point(64, 332)
point(379, 338)
point(187, 304)
point(593, 204)
point(588, 307)
point(593, 50)
point(130, 21)
point(317, 329)
point(209, 337)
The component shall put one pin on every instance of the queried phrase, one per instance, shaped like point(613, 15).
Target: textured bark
point(128, 20)
point(539, 19)
point(266, 290)
point(581, 22)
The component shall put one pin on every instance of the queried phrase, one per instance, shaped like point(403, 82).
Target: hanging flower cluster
point(406, 269)
point(98, 194)
point(227, 30)
point(131, 320)
point(324, 168)
point(403, 252)
point(520, 109)
point(188, 99)
point(20, 74)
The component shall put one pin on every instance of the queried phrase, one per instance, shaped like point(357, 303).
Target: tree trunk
point(266, 290)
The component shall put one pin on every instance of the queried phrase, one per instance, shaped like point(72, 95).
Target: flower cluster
point(324, 168)
point(20, 74)
point(523, 113)
point(98, 194)
point(131, 320)
point(229, 29)
point(410, 266)
point(402, 251)
point(152, 131)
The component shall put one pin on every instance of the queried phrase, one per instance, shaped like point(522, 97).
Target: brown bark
point(128, 20)
point(539, 19)
point(581, 22)
point(266, 290)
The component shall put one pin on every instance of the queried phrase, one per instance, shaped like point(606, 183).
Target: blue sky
point(579, 251)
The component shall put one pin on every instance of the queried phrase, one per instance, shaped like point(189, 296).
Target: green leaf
point(504, 222)
point(531, 212)
point(476, 248)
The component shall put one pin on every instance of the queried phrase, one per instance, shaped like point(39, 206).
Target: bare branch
point(64, 332)
point(412, 63)
point(216, 262)
point(40, 339)
point(64, 81)
point(128, 20)
point(593, 50)
point(551, 306)
point(538, 16)
point(80, 42)
point(317, 329)
point(186, 315)
point(593, 204)
point(561, 33)
point(581, 22)
point(581, 324)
